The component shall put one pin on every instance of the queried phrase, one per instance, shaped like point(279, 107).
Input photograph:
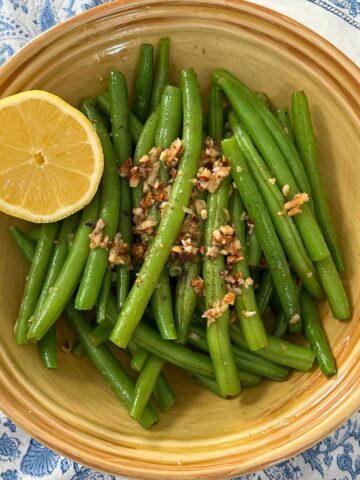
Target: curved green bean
point(34, 233)
point(265, 291)
point(271, 246)
point(26, 246)
point(316, 335)
point(69, 276)
point(253, 248)
point(283, 115)
point(35, 280)
point(139, 359)
point(48, 349)
point(306, 143)
point(161, 74)
point(97, 261)
point(172, 217)
point(102, 300)
point(143, 82)
point(163, 393)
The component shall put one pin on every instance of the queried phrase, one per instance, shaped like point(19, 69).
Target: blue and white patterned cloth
point(337, 457)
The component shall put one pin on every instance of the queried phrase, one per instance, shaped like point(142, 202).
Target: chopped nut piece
point(213, 169)
point(96, 235)
point(293, 206)
point(272, 180)
point(146, 226)
point(106, 243)
point(119, 253)
point(138, 251)
point(233, 281)
point(248, 282)
point(198, 286)
point(219, 308)
point(285, 190)
point(294, 319)
point(171, 155)
point(225, 242)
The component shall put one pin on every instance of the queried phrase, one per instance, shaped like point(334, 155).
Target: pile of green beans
point(220, 312)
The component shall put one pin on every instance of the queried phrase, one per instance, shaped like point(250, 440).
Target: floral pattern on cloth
point(22, 458)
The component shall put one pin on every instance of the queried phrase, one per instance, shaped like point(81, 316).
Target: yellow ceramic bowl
point(72, 410)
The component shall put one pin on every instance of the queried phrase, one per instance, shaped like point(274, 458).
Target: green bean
point(316, 336)
point(306, 143)
point(245, 360)
point(103, 101)
point(170, 113)
point(208, 383)
point(120, 129)
point(218, 338)
point(35, 280)
point(47, 345)
point(271, 246)
point(253, 247)
point(34, 233)
point(47, 349)
point(145, 385)
point(78, 351)
point(279, 351)
point(163, 393)
point(262, 96)
point(265, 143)
point(161, 75)
point(101, 332)
point(139, 359)
point(103, 296)
point(284, 225)
point(252, 327)
point(26, 246)
point(97, 260)
point(143, 82)
point(172, 217)
point(109, 367)
point(285, 147)
point(281, 323)
point(283, 115)
point(143, 147)
point(69, 276)
point(265, 291)
point(334, 289)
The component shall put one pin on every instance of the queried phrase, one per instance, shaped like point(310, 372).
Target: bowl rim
point(18, 411)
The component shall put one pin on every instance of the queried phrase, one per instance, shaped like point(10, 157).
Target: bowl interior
point(72, 409)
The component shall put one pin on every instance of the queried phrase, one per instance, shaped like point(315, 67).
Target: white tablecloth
point(337, 456)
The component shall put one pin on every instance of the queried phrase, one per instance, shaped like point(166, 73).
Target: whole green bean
point(97, 261)
point(143, 82)
point(252, 327)
point(145, 385)
point(172, 217)
point(334, 289)
point(69, 276)
point(139, 359)
point(47, 345)
point(109, 367)
point(101, 303)
point(265, 291)
point(217, 332)
point(315, 335)
point(103, 101)
point(161, 75)
point(208, 383)
point(279, 351)
point(283, 115)
point(271, 246)
point(265, 143)
point(35, 280)
point(163, 393)
point(285, 227)
point(245, 360)
point(120, 129)
point(26, 246)
point(306, 143)
point(161, 305)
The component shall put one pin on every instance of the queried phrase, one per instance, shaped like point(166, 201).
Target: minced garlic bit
point(171, 155)
point(213, 167)
point(187, 242)
point(224, 241)
point(119, 252)
point(67, 346)
point(309, 274)
point(234, 281)
point(293, 206)
point(200, 208)
point(105, 243)
point(219, 308)
point(285, 190)
point(272, 180)
point(198, 286)
point(248, 282)
point(248, 314)
point(188, 210)
point(96, 235)
point(294, 319)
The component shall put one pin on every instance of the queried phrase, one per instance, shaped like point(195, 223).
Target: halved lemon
point(51, 160)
